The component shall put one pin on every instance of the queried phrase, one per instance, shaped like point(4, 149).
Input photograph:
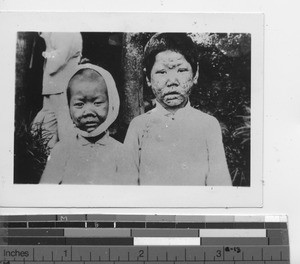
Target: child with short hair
point(90, 156)
point(175, 144)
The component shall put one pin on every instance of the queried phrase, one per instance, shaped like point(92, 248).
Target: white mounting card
point(15, 194)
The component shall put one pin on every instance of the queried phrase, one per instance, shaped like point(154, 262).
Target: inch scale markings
point(141, 239)
point(206, 254)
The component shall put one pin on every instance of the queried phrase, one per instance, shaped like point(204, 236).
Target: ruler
point(143, 239)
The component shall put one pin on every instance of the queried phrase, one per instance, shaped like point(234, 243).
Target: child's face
point(172, 79)
point(88, 103)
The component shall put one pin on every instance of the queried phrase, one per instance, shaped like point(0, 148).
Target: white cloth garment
point(184, 148)
point(78, 161)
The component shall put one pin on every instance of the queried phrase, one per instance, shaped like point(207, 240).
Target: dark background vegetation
point(223, 90)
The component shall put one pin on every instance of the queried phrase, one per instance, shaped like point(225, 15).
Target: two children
point(90, 155)
point(173, 144)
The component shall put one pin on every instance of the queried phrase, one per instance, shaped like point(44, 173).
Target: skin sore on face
point(88, 103)
point(171, 79)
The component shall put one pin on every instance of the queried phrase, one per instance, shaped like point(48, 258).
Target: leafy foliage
point(224, 91)
point(31, 153)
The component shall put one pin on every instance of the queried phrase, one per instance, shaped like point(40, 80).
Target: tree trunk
point(22, 171)
point(23, 58)
point(132, 64)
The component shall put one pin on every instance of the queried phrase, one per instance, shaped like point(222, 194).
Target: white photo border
point(27, 195)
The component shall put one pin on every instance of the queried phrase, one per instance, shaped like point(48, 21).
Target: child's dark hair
point(178, 42)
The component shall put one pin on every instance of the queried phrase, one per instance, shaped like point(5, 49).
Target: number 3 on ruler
point(219, 253)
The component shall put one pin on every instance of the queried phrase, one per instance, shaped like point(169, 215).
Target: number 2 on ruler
point(141, 253)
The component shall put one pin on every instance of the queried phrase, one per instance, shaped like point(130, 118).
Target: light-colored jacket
point(78, 161)
point(184, 148)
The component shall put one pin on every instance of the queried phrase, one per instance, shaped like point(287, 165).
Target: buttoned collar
point(103, 141)
point(162, 111)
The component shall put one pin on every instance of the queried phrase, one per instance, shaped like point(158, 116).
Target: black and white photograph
point(141, 109)
point(154, 114)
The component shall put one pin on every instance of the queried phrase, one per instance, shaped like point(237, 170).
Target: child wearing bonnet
point(90, 155)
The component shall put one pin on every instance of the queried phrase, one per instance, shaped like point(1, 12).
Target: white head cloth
point(113, 97)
